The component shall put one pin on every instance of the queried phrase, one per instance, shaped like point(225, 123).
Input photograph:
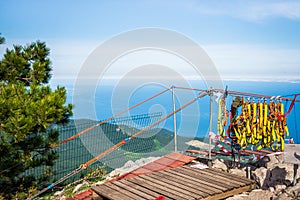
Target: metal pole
point(210, 125)
point(174, 118)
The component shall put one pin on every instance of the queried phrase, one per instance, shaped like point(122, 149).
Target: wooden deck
point(183, 182)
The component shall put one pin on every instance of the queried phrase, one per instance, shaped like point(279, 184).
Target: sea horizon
point(194, 121)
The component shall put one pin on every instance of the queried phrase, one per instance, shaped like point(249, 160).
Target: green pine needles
point(28, 110)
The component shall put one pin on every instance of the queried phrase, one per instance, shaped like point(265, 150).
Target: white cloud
point(255, 10)
point(233, 61)
point(255, 62)
point(261, 10)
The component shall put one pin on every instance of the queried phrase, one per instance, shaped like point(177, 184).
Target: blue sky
point(256, 39)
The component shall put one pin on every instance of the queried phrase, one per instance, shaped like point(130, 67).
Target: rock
point(294, 191)
point(144, 161)
point(260, 175)
point(99, 183)
point(262, 162)
point(279, 188)
point(260, 194)
point(282, 173)
point(273, 160)
point(277, 177)
point(239, 172)
point(271, 189)
point(199, 144)
point(277, 174)
point(58, 193)
point(238, 197)
point(270, 161)
point(130, 166)
point(218, 164)
point(77, 187)
point(283, 196)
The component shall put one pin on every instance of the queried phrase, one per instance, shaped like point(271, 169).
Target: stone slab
point(292, 153)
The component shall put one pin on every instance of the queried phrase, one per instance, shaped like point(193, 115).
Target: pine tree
point(2, 39)
point(28, 110)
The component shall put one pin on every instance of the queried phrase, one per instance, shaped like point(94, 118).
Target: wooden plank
point(106, 192)
point(122, 192)
point(192, 183)
point(174, 182)
point(173, 187)
point(133, 190)
point(205, 179)
point(166, 192)
point(209, 188)
point(236, 177)
point(202, 180)
point(232, 176)
point(230, 193)
point(215, 175)
point(142, 189)
point(96, 196)
point(169, 188)
point(153, 187)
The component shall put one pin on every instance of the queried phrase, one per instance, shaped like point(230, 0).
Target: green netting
point(155, 142)
point(78, 151)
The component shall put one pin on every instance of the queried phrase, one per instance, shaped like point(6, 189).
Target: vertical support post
point(174, 118)
point(210, 125)
point(296, 166)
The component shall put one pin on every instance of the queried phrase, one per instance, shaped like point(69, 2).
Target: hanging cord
point(292, 105)
point(11, 167)
point(116, 146)
point(108, 119)
point(92, 127)
point(141, 131)
point(57, 182)
point(185, 88)
point(296, 126)
point(248, 94)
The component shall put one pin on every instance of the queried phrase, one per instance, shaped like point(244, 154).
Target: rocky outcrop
point(199, 144)
point(130, 166)
point(219, 164)
point(274, 180)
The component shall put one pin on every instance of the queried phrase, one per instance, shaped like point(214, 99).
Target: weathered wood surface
point(177, 183)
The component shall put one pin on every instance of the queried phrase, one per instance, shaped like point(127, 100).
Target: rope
point(140, 132)
point(108, 119)
point(254, 95)
point(11, 167)
point(114, 147)
point(296, 126)
point(217, 138)
point(259, 155)
point(185, 88)
point(292, 105)
point(152, 97)
point(57, 182)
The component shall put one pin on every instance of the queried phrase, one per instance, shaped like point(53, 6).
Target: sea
point(106, 99)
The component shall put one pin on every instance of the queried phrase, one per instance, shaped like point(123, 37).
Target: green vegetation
point(28, 111)
point(2, 40)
